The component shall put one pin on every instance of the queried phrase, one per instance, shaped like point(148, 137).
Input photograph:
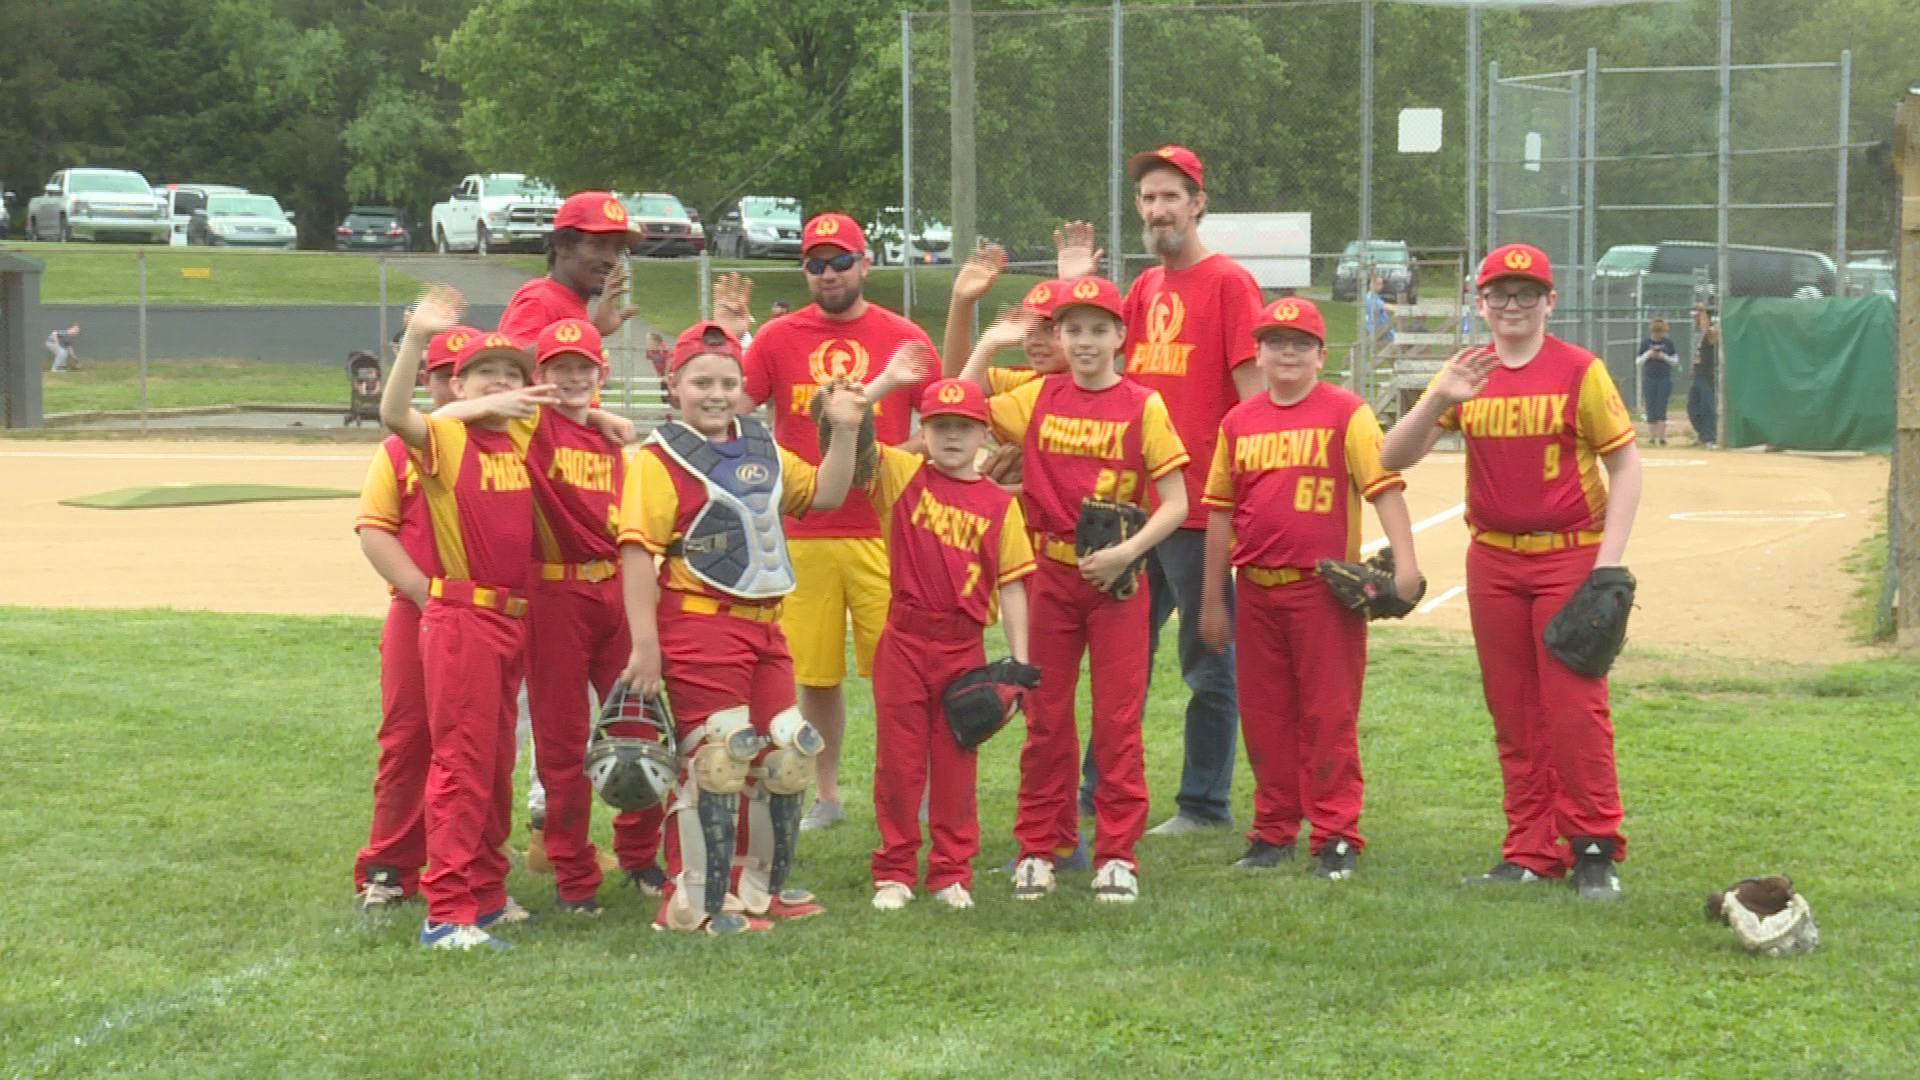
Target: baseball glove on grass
point(1588, 632)
point(866, 453)
point(1366, 588)
point(982, 701)
point(1103, 524)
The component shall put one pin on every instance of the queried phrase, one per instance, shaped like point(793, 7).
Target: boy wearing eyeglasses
point(839, 557)
point(1540, 417)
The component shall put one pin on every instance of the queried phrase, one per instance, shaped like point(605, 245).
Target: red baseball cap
point(444, 347)
point(1089, 291)
point(1291, 313)
point(485, 346)
point(1515, 260)
point(1044, 298)
point(570, 336)
point(591, 212)
point(833, 230)
point(954, 397)
point(700, 339)
point(1176, 157)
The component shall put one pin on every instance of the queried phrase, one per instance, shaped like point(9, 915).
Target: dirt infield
point(1737, 554)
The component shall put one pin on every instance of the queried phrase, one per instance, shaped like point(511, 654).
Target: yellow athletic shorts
point(837, 578)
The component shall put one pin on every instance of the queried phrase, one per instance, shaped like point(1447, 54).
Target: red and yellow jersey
point(537, 305)
point(1187, 330)
point(794, 355)
point(951, 543)
point(390, 501)
point(577, 478)
point(661, 499)
point(480, 500)
point(1104, 444)
point(1002, 380)
point(1534, 441)
point(1293, 477)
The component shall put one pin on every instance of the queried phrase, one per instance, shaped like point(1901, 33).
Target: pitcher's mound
point(166, 495)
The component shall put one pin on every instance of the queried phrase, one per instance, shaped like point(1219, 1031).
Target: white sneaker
point(891, 896)
point(823, 814)
point(1116, 883)
point(1032, 878)
point(955, 896)
point(1181, 825)
point(380, 893)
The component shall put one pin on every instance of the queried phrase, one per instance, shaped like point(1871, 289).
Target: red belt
point(923, 622)
point(473, 594)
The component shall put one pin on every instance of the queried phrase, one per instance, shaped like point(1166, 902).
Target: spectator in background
point(658, 353)
point(1702, 404)
point(1379, 313)
point(779, 308)
point(60, 344)
point(1657, 357)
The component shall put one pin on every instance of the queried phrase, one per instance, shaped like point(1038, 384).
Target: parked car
point(495, 212)
point(932, 243)
point(183, 199)
point(373, 228)
point(1390, 259)
point(1756, 271)
point(661, 225)
point(1869, 277)
point(759, 227)
point(98, 204)
point(6, 216)
point(245, 220)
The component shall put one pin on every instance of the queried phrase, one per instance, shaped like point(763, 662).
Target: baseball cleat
point(649, 879)
point(587, 906)
point(1032, 878)
point(1116, 883)
point(1594, 876)
point(1264, 856)
point(794, 904)
point(1338, 858)
point(457, 936)
point(733, 923)
point(1504, 873)
point(381, 892)
point(954, 897)
point(891, 896)
point(823, 814)
point(510, 914)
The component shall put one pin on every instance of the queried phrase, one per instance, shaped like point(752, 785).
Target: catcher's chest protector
point(735, 544)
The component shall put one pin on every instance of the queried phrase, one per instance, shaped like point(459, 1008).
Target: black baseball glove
point(866, 452)
point(1588, 632)
point(981, 702)
point(1367, 588)
point(1103, 524)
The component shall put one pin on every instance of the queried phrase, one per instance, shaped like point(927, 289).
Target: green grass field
point(110, 274)
point(185, 794)
point(115, 385)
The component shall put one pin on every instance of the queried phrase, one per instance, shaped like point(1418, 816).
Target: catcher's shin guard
point(784, 810)
point(716, 813)
point(773, 811)
point(718, 760)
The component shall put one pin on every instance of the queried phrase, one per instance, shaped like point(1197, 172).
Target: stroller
point(365, 384)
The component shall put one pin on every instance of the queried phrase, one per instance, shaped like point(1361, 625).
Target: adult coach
point(583, 258)
point(1539, 417)
point(1190, 336)
point(839, 558)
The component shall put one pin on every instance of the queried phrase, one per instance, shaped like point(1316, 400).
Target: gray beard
point(1166, 245)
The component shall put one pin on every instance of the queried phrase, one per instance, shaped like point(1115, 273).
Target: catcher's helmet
point(632, 772)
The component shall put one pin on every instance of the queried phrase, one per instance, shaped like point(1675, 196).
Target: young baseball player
point(1289, 470)
point(473, 478)
point(705, 495)
point(954, 543)
point(1088, 436)
point(396, 537)
point(1539, 418)
point(583, 258)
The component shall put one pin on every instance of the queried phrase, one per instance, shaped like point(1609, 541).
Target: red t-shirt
point(537, 305)
point(951, 543)
point(390, 501)
point(577, 478)
point(796, 353)
point(476, 487)
point(1293, 477)
point(1187, 330)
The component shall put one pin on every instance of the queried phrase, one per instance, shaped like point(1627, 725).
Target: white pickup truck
point(495, 212)
point(98, 204)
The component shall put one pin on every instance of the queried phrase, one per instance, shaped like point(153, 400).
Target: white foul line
point(1422, 525)
point(1442, 598)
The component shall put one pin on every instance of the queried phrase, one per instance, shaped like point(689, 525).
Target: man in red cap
point(1190, 336)
point(1289, 470)
point(839, 558)
point(583, 258)
point(1539, 418)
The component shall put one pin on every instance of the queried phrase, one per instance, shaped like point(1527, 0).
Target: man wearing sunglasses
point(1539, 418)
point(839, 558)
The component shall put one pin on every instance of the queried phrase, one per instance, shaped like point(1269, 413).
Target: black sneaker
point(537, 820)
point(1337, 861)
point(589, 907)
point(1263, 856)
point(649, 879)
point(1594, 876)
point(1504, 873)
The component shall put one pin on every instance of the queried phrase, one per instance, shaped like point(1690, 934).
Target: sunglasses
point(839, 264)
point(1528, 299)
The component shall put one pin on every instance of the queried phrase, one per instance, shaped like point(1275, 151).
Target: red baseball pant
point(1300, 659)
point(397, 838)
point(919, 653)
point(1066, 619)
point(1552, 726)
point(472, 660)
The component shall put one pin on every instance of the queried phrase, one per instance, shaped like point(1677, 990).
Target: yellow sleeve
point(521, 428)
point(1363, 455)
point(379, 496)
point(1159, 443)
point(649, 504)
point(796, 484)
point(1602, 422)
point(1012, 411)
point(1218, 494)
point(1003, 380)
point(897, 469)
point(1016, 548)
point(446, 444)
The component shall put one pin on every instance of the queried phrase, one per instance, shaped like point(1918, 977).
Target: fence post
point(143, 343)
point(1473, 135)
point(1116, 150)
point(1493, 150)
point(1589, 202)
point(906, 152)
point(380, 347)
point(1722, 275)
point(1840, 165)
point(1903, 505)
point(964, 172)
point(703, 284)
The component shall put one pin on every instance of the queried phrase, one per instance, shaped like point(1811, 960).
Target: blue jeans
point(1702, 410)
point(1174, 570)
point(1655, 390)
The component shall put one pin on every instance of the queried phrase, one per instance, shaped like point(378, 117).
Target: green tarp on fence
point(1809, 374)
